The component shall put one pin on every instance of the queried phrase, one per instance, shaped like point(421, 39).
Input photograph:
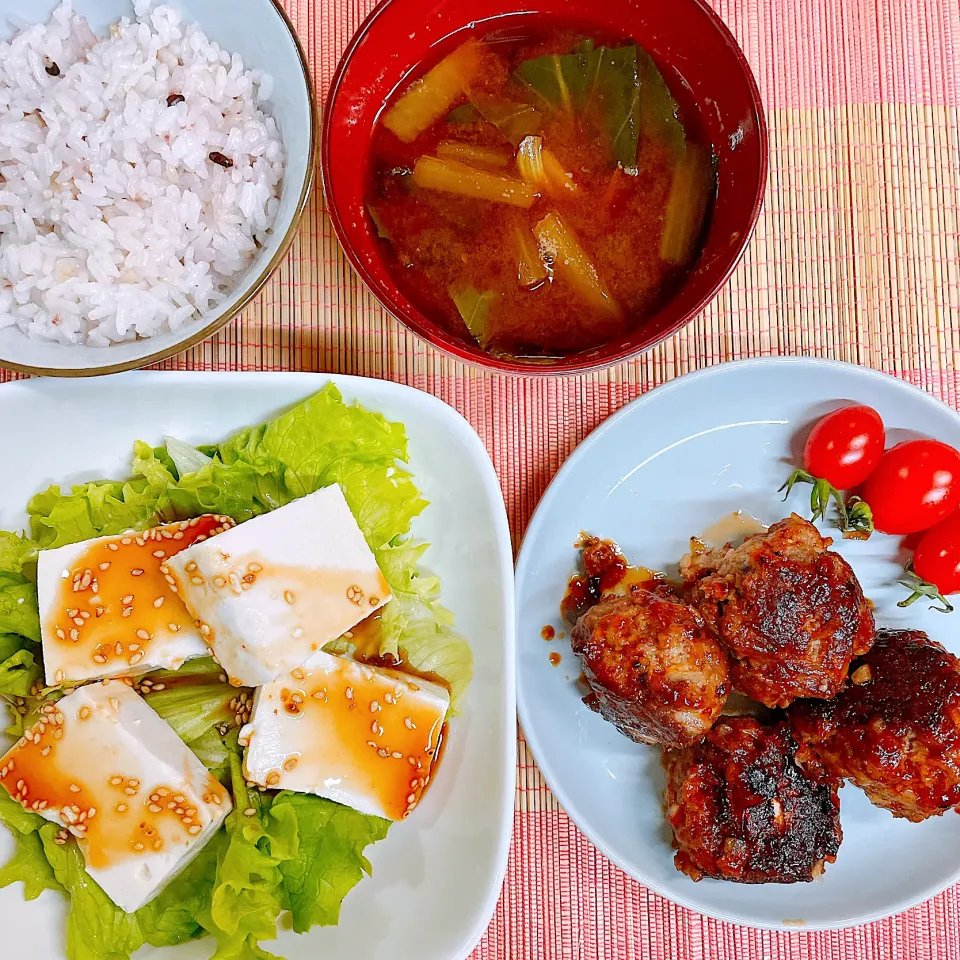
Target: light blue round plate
point(664, 469)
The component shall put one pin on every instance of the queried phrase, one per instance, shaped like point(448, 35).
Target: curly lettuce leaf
point(331, 859)
point(29, 864)
point(416, 625)
point(96, 928)
point(19, 669)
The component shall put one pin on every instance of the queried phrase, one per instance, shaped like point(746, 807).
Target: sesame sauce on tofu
point(112, 815)
point(376, 735)
point(116, 599)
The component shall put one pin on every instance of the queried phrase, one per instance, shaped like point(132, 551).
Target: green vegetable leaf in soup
point(658, 109)
point(474, 307)
point(600, 84)
point(515, 120)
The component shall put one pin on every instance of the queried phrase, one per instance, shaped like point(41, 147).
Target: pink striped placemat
point(855, 257)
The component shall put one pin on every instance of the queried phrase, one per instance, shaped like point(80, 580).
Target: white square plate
point(438, 875)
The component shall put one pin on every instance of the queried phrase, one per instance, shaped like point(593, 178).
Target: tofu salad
point(226, 676)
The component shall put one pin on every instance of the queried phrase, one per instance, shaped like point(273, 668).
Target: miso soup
point(541, 192)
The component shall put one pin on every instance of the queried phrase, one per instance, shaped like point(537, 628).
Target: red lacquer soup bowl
point(692, 47)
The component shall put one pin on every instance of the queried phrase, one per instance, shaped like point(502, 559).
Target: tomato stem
point(859, 523)
point(854, 516)
point(922, 588)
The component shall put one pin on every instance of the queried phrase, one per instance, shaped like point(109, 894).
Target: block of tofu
point(271, 592)
point(107, 609)
point(360, 735)
point(112, 774)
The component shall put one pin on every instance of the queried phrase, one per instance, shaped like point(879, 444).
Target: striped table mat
point(855, 257)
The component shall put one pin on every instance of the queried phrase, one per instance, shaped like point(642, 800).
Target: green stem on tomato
point(854, 516)
point(922, 588)
point(859, 519)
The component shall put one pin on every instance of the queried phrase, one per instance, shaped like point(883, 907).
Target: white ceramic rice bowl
point(261, 34)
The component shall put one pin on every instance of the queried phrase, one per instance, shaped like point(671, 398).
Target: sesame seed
point(127, 600)
point(115, 781)
point(133, 648)
point(250, 812)
point(136, 572)
point(99, 658)
point(127, 611)
point(205, 629)
point(191, 566)
point(219, 581)
point(349, 693)
point(289, 598)
point(130, 792)
point(383, 753)
point(178, 536)
point(158, 844)
point(74, 788)
point(159, 554)
point(112, 546)
point(105, 565)
point(290, 763)
point(375, 706)
point(273, 779)
point(411, 798)
point(155, 808)
point(61, 635)
point(138, 847)
point(136, 658)
point(409, 724)
point(397, 756)
point(195, 829)
point(59, 676)
point(197, 581)
point(157, 687)
point(142, 634)
point(296, 633)
point(84, 713)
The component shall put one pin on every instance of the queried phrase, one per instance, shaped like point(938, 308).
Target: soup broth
point(539, 192)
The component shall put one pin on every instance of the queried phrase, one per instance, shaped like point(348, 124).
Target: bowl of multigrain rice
point(155, 160)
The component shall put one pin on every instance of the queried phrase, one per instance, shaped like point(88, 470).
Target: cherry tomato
point(915, 485)
point(937, 557)
point(845, 446)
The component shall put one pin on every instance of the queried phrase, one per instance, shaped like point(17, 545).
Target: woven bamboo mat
point(855, 257)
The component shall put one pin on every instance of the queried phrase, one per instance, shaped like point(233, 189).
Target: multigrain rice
point(139, 175)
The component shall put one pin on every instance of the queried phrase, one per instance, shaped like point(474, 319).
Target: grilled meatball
point(895, 731)
point(790, 612)
point(654, 669)
point(742, 808)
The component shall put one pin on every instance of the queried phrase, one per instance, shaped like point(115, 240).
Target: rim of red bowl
point(586, 361)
